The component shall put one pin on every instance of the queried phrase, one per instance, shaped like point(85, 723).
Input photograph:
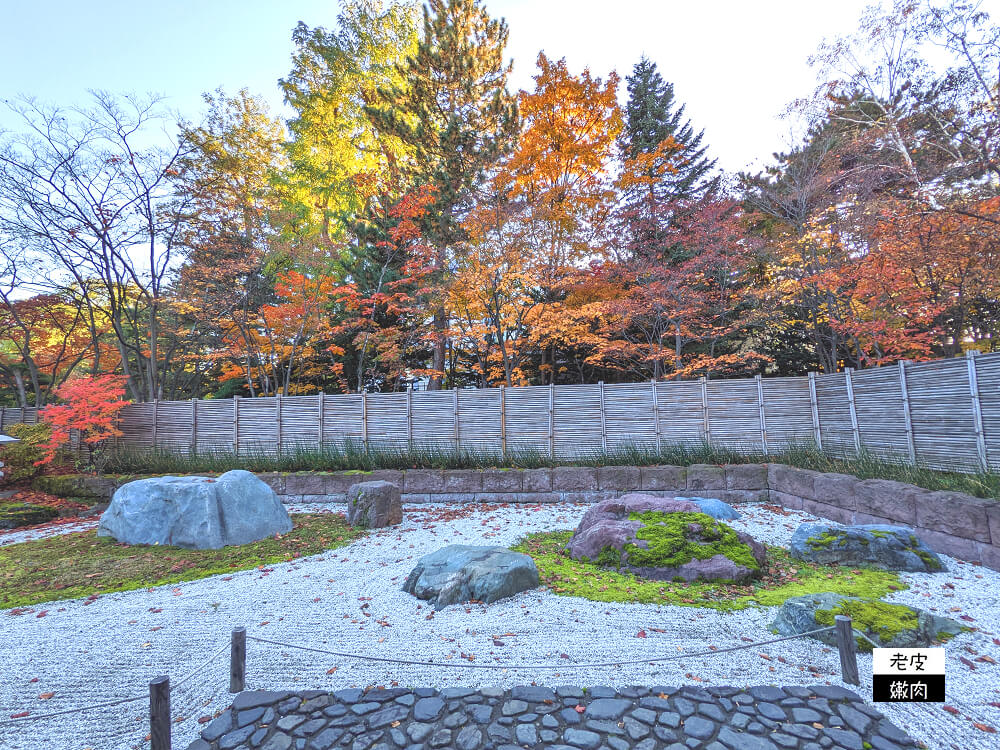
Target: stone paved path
point(563, 718)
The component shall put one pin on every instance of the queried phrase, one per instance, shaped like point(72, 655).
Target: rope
point(120, 702)
point(74, 710)
point(561, 667)
point(195, 671)
point(858, 632)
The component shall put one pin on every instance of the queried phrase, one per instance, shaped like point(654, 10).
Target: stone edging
point(561, 718)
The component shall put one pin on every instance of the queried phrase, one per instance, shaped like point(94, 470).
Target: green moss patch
point(81, 564)
point(881, 620)
point(782, 578)
point(672, 542)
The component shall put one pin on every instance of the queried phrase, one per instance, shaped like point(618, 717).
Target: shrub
point(20, 458)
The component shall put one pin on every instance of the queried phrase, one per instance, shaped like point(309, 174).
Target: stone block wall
point(562, 484)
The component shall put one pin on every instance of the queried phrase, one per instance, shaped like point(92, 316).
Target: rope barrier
point(111, 704)
point(561, 667)
point(192, 673)
point(35, 717)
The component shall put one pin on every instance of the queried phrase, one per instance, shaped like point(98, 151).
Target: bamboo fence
point(943, 414)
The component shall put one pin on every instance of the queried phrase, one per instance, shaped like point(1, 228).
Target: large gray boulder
point(195, 512)
point(372, 505)
point(878, 545)
point(462, 572)
point(888, 625)
point(687, 544)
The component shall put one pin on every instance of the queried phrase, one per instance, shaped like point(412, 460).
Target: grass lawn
point(784, 577)
point(81, 564)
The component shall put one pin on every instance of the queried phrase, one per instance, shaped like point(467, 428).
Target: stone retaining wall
point(738, 483)
point(951, 523)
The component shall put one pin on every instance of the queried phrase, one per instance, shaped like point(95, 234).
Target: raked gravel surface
point(350, 600)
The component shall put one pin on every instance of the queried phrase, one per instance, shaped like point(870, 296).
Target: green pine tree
point(653, 115)
point(456, 115)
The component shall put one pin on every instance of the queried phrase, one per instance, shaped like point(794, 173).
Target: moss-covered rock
point(882, 546)
point(665, 540)
point(887, 625)
point(16, 515)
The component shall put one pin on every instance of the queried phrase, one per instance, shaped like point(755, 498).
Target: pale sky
point(736, 64)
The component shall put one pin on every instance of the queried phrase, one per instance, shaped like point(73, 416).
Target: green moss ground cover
point(782, 579)
point(81, 564)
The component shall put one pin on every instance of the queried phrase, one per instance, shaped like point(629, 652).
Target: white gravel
point(46, 530)
point(350, 600)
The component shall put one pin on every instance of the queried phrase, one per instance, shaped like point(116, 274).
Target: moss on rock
point(677, 538)
point(16, 515)
point(875, 618)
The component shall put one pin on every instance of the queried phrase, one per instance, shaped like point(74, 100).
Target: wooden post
point(977, 409)
point(656, 413)
point(910, 445)
point(277, 410)
point(319, 432)
point(848, 649)
point(458, 437)
point(706, 426)
point(760, 409)
point(159, 714)
point(604, 421)
point(503, 421)
point(155, 418)
point(236, 426)
point(409, 416)
point(194, 427)
point(23, 412)
point(849, 380)
point(364, 419)
point(238, 661)
point(814, 405)
point(3, 411)
point(552, 421)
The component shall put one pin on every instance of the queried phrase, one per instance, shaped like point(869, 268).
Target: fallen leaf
point(20, 715)
point(984, 727)
point(46, 696)
point(579, 709)
point(951, 709)
point(331, 670)
point(641, 634)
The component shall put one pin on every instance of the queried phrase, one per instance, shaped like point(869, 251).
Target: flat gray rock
point(877, 545)
point(195, 512)
point(799, 615)
point(461, 572)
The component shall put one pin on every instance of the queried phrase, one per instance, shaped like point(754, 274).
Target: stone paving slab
point(818, 717)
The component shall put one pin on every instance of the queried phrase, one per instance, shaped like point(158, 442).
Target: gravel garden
point(328, 586)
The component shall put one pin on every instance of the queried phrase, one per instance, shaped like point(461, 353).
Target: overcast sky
point(736, 64)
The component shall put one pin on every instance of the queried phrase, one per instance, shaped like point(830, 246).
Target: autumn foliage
point(89, 407)
point(418, 223)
